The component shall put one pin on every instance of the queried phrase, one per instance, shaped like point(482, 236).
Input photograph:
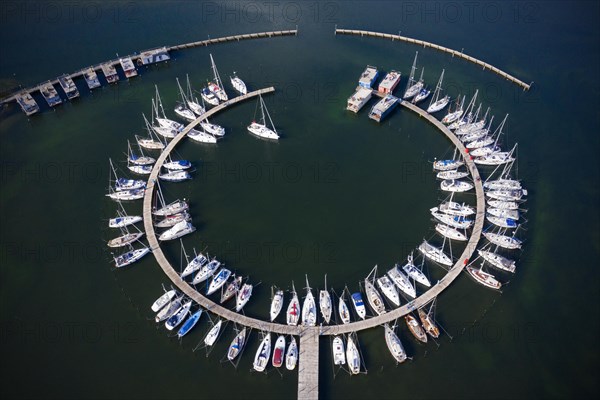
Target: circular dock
point(309, 343)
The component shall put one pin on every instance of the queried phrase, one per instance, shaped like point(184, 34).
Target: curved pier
point(423, 43)
point(308, 367)
point(136, 57)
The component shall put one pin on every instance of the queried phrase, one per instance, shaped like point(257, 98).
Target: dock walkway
point(136, 57)
point(423, 43)
point(309, 336)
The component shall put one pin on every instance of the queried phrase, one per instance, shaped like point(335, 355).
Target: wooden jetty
point(153, 55)
point(308, 366)
point(423, 43)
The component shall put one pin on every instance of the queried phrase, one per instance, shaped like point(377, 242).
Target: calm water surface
point(336, 195)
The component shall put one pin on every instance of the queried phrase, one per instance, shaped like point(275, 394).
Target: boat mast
point(411, 78)
point(263, 108)
point(181, 93)
point(159, 102)
point(216, 73)
point(190, 94)
point(438, 89)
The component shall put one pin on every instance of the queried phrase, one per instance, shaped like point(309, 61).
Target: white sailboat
point(197, 262)
point(325, 304)
point(237, 344)
point(343, 310)
point(163, 300)
point(446, 165)
point(172, 220)
point(213, 333)
point(451, 174)
point(238, 84)
point(503, 205)
point(206, 271)
point(149, 142)
point(276, 304)
point(243, 295)
point(412, 87)
point(261, 358)
point(451, 185)
point(168, 310)
point(401, 281)
point(175, 176)
point(163, 121)
point(213, 129)
point(126, 238)
point(131, 256)
point(217, 86)
point(497, 260)
point(309, 308)
point(291, 357)
point(172, 208)
point(465, 118)
point(177, 318)
point(140, 159)
point(484, 278)
point(413, 272)
point(454, 115)
point(435, 254)
point(192, 101)
point(436, 103)
point(339, 353)
point(181, 108)
point(450, 233)
point(260, 129)
point(373, 296)
point(456, 221)
point(454, 208)
point(218, 281)
point(394, 344)
point(201, 136)
point(293, 310)
point(423, 93)
point(209, 97)
point(359, 305)
point(389, 290)
point(352, 356)
point(125, 189)
point(504, 241)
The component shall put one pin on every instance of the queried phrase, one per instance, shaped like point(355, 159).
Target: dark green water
point(335, 196)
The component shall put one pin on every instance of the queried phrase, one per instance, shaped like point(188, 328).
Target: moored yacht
point(261, 358)
point(218, 281)
point(394, 344)
point(434, 253)
point(178, 230)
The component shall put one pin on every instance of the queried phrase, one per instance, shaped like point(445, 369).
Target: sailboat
point(452, 185)
point(454, 115)
point(172, 220)
point(177, 318)
point(352, 356)
point(175, 207)
point(435, 254)
point(278, 352)
point(213, 129)
point(125, 189)
point(415, 328)
point(189, 324)
point(293, 310)
point(168, 310)
point(163, 300)
point(401, 281)
point(238, 84)
point(343, 309)
point(436, 103)
point(507, 242)
point(484, 278)
point(468, 117)
point(177, 165)
point(197, 262)
point(217, 86)
point(446, 165)
point(125, 238)
point(291, 357)
point(149, 143)
point(450, 233)
point(394, 344)
point(209, 97)
point(373, 296)
point(192, 101)
point(181, 108)
point(218, 281)
point(213, 333)
point(232, 289)
point(454, 208)
point(131, 256)
point(389, 290)
point(412, 87)
point(201, 136)
point(456, 221)
point(163, 121)
point(497, 260)
point(175, 176)
point(339, 357)
point(413, 272)
point(243, 296)
point(206, 271)
point(309, 308)
point(451, 174)
point(423, 92)
point(260, 129)
point(325, 303)
point(237, 344)
point(261, 358)
point(138, 159)
point(428, 324)
point(123, 220)
point(276, 304)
